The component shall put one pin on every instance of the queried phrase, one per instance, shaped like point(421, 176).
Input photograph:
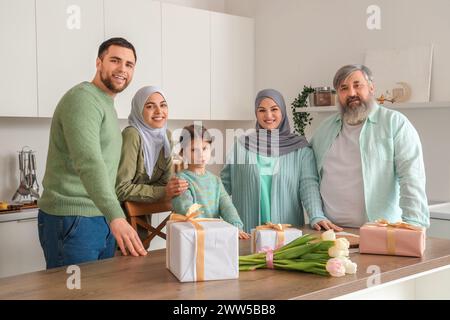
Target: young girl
point(204, 188)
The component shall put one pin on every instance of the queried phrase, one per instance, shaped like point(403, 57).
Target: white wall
point(300, 42)
point(16, 133)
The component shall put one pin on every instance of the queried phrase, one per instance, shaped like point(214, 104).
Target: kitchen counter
point(19, 215)
point(440, 211)
point(147, 278)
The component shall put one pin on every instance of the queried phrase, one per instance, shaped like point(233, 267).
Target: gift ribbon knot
point(278, 227)
point(269, 256)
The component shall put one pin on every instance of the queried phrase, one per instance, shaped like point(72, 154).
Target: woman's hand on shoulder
point(175, 187)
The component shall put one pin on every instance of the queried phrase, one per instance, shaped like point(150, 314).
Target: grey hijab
point(153, 139)
point(273, 143)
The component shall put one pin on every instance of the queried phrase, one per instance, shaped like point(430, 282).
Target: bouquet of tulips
point(324, 256)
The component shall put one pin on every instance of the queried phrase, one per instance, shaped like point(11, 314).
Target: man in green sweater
point(80, 218)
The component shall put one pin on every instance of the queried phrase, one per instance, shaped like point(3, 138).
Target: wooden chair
point(137, 211)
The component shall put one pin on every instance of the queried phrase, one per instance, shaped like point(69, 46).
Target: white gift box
point(221, 250)
point(267, 238)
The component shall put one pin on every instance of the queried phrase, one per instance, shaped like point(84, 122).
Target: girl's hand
point(243, 235)
point(327, 225)
point(175, 187)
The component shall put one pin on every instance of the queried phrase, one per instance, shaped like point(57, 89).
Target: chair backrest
point(137, 209)
point(137, 212)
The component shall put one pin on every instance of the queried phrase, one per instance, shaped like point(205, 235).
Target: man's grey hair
point(347, 70)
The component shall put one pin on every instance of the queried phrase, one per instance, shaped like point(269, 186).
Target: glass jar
point(322, 96)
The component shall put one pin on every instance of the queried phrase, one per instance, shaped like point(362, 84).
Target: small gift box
point(272, 236)
point(399, 239)
point(201, 249)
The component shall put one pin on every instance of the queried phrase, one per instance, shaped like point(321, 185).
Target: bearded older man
point(369, 159)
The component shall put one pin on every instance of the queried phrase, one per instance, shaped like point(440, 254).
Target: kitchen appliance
point(28, 190)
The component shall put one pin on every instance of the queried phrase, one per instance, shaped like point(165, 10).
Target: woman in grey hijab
point(145, 167)
point(263, 140)
point(271, 173)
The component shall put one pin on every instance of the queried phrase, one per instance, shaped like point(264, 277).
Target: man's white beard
point(356, 116)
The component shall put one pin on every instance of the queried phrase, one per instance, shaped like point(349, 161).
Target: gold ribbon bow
point(391, 228)
point(398, 225)
point(191, 215)
point(278, 227)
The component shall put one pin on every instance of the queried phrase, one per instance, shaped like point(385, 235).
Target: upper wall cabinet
point(186, 61)
point(232, 67)
point(203, 60)
point(69, 33)
point(143, 30)
point(18, 96)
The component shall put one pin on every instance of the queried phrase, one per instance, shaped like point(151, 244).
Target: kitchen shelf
point(395, 106)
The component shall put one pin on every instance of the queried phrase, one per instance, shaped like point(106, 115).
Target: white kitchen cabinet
point(143, 30)
point(69, 33)
point(186, 62)
point(20, 249)
point(432, 284)
point(232, 67)
point(203, 60)
point(18, 96)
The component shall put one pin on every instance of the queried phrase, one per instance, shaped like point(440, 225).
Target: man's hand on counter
point(127, 238)
point(327, 225)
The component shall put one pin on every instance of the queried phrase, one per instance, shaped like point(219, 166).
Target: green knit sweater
point(83, 156)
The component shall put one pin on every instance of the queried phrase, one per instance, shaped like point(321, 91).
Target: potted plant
point(301, 119)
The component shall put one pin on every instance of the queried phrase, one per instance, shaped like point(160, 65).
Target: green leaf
point(301, 119)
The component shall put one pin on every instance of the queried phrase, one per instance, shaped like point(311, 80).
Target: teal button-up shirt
point(392, 165)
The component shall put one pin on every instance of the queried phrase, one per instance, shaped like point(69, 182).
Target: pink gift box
point(399, 239)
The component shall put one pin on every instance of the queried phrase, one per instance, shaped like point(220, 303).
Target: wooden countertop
point(147, 278)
